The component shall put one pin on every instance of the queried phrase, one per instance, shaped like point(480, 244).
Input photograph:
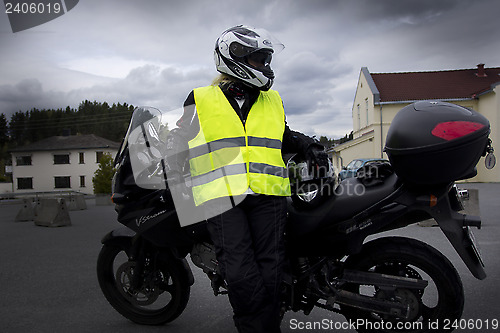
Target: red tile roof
point(453, 84)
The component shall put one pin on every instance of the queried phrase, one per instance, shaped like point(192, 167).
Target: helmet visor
point(268, 41)
point(240, 51)
point(250, 41)
point(260, 58)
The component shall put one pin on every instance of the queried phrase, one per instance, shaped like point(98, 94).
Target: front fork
point(138, 255)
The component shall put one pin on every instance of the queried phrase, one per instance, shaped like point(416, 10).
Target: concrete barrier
point(36, 205)
point(27, 212)
point(52, 213)
point(77, 202)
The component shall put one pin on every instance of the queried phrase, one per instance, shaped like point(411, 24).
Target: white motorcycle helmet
point(245, 53)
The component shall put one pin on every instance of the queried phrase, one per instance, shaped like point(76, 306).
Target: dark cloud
point(147, 85)
point(396, 9)
point(28, 90)
point(164, 88)
point(161, 50)
point(26, 95)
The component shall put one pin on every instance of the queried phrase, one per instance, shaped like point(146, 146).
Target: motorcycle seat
point(349, 198)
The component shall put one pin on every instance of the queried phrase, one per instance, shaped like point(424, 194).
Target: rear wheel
point(430, 310)
point(161, 297)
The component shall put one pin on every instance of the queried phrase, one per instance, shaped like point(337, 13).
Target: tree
point(347, 138)
point(101, 119)
point(4, 130)
point(326, 142)
point(103, 175)
point(17, 128)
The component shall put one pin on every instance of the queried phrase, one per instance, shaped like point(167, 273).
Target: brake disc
point(147, 294)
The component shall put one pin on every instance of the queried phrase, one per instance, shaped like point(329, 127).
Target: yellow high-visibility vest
point(227, 158)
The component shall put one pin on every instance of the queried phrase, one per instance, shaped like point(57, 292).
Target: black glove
point(176, 148)
point(317, 160)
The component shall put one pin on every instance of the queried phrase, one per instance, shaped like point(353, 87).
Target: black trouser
point(250, 250)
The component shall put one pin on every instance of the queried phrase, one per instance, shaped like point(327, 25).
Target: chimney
point(480, 71)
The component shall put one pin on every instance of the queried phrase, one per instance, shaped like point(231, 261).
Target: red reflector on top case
point(451, 130)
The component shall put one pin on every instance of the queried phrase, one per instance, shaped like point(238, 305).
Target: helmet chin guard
point(245, 53)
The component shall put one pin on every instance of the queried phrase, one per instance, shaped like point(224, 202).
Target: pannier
point(433, 142)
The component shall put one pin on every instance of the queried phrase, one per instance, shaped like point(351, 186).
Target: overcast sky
point(154, 52)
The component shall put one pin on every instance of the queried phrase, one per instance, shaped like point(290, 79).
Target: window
point(366, 109)
point(23, 160)
point(62, 182)
point(82, 181)
point(359, 116)
point(98, 155)
point(61, 159)
point(25, 183)
point(82, 158)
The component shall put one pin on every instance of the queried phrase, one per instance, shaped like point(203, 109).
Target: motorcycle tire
point(160, 302)
point(433, 309)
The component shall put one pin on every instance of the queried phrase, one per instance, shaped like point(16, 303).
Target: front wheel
point(161, 297)
point(431, 309)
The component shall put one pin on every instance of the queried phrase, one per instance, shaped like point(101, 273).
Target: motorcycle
point(391, 284)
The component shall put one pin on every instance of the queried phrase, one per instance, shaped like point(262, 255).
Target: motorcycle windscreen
point(148, 154)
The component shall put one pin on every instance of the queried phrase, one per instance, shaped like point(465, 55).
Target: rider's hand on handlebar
point(317, 160)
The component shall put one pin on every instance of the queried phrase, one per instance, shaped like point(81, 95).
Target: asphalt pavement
point(49, 282)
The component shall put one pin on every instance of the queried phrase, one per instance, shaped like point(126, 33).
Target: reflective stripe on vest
point(226, 157)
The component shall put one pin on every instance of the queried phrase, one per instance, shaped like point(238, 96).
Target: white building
point(59, 163)
point(379, 96)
